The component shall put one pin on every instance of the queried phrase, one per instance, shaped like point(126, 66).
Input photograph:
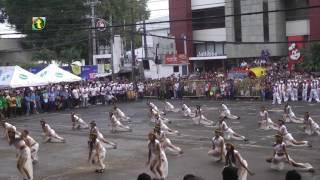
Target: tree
point(45, 55)
point(311, 61)
point(69, 55)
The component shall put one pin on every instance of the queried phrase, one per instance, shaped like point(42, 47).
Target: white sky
point(152, 5)
point(156, 5)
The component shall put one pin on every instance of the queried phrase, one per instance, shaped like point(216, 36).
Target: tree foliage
point(311, 61)
point(67, 31)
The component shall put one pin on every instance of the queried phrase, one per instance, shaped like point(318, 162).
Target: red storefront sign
point(294, 48)
point(176, 59)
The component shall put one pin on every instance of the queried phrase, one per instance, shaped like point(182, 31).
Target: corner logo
point(59, 75)
point(23, 76)
point(38, 23)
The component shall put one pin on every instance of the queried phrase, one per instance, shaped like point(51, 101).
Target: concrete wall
point(298, 28)
point(160, 72)
point(252, 30)
point(13, 58)
point(218, 34)
point(204, 4)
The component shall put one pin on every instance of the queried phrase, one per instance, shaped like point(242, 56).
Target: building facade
point(222, 33)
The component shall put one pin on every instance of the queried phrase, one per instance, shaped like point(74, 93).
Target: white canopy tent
point(16, 77)
point(54, 74)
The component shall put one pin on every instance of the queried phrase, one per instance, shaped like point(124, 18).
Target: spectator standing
point(12, 105)
point(84, 95)
point(27, 101)
point(19, 103)
point(45, 100)
point(52, 99)
point(76, 97)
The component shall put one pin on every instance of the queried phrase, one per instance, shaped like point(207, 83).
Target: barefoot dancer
point(169, 107)
point(200, 118)
point(165, 141)
point(77, 122)
point(234, 158)
point(95, 130)
point(289, 115)
point(50, 134)
point(32, 144)
point(310, 126)
point(218, 150)
point(120, 114)
point(117, 126)
point(225, 111)
point(228, 132)
point(24, 161)
point(157, 159)
point(287, 137)
point(9, 127)
point(265, 121)
point(280, 156)
point(97, 153)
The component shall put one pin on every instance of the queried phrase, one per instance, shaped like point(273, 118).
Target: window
point(237, 20)
point(298, 14)
point(200, 23)
point(184, 70)
point(209, 49)
point(146, 65)
point(265, 20)
point(176, 69)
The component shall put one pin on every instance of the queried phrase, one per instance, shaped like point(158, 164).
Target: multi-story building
point(220, 33)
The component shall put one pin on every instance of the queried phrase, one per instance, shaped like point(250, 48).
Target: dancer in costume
point(225, 111)
point(165, 141)
point(97, 153)
point(228, 132)
point(218, 150)
point(116, 125)
point(77, 122)
point(32, 144)
point(310, 126)
point(168, 107)
point(265, 121)
point(187, 111)
point(95, 130)
point(120, 114)
point(289, 115)
point(9, 127)
point(50, 134)
point(200, 118)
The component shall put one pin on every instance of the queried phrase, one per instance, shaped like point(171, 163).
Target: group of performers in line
point(159, 142)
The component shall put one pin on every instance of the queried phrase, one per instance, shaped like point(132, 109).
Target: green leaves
point(311, 61)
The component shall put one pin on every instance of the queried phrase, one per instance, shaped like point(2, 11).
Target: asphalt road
point(69, 161)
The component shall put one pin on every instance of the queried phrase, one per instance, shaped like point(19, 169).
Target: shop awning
point(207, 58)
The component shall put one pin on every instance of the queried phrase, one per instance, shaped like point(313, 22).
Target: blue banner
point(89, 72)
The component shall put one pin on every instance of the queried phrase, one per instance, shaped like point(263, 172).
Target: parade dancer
point(32, 144)
point(9, 127)
point(24, 161)
point(234, 158)
point(159, 122)
point(154, 107)
point(280, 157)
point(117, 126)
point(218, 150)
point(165, 141)
point(97, 153)
point(157, 159)
point(155, 115)
point(200, 118)
point(169, 107)
point(287, 137)
point(314, 92)
point(50, 134)
point(310, 126)
point(77, 122)
point(276, 94)
point(228, 132)
point(120, 114)
point(225, 111)
point(187, 111)
point(265, 121)
point(95, 130)
point(289, 115)
point(305, 86)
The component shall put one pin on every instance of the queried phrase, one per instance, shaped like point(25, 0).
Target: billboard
point(294, 50)
point(175, 59)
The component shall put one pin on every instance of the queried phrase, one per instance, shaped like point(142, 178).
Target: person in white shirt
point(305, 86)
point(103, 93)
point(157, 159)
point(314, 91)
point(77, 122)
point(289, 115)
point(276, 94)
point(310, 126)
point(116, 125)
point(288, 138)
point(225, 111)
point(141, 90)
point(9, 127)
point(218, 150)
point(76, 96)
point(228, 132)
point(265, 122)
point(50, 134)
point(280, 157)
point(32, 144)
point(97, 153)
point(93, 94)
point(85, 96)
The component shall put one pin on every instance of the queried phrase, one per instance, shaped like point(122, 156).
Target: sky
point(155, 5)
point(158, 8)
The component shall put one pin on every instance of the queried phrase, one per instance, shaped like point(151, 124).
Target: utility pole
point(93, 4)
point(133, 55)
point(111, 46)
point(146, 55)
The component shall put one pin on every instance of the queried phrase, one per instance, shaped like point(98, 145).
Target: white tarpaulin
point(54, 74)
point(15, 77)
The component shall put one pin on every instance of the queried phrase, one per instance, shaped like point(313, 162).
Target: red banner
point(176, 59)
point(294, 48)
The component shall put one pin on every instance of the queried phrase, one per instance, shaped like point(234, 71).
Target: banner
point(294, 49)
point(175, 59)
point(89, 72)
